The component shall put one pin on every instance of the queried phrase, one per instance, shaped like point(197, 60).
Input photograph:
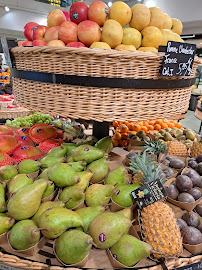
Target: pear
point(85, 179)
point(73, 246)
point(7, 172)
point(70, 147)
point(24, 234)
point(125, 212)
point(129, 250)
point(19, 181)
point(44, 206)
point(87, 153)
point(63, 175)
point(87, 214)
point(49, 161)
point(117, 176)
point(45, 173)
point(28, 166)
point(77, 166)
point(73, 195)
point(107, 228)
point(190, 135)
point(70, 159)
point(90, 140)
point(58, 220)
point(167, 137)
point(5, 223)
point(98, 194)
point(105, 144)
point(2, 197)
point(59, 151)
point(122, 195)
point(99, 168)
point(49, 190)
point(25, 203)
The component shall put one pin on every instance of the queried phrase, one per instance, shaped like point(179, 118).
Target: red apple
point(27, 43)
point(66, 15)
point(89, 32)
point(68, 32)
point(56, 43)
point(52, 33)
point(75, 44)
point(28, 30)
point(97, 12)
point(39, 32)
point(39, 43)
point(20, 43)
point(55, 18)
point(78, 12)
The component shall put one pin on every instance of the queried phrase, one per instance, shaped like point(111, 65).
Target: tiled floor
point(191, 122)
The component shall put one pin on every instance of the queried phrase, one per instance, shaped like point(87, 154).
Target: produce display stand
point(103, 86)
point(198, 113)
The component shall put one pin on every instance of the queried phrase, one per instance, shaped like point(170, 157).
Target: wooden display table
point(9, 114)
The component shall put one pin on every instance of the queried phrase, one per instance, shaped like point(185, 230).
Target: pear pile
point(79, 217)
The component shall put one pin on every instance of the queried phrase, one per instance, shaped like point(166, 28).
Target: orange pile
point(123, 129)
point(5, 74)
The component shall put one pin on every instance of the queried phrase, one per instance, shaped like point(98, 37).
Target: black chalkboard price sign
point(178, 59)
point(192, 266)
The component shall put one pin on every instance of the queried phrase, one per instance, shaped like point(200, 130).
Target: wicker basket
point(93, 103)
point(198, 111)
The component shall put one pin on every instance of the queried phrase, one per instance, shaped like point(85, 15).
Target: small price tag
point(192, 266)
point(148, 194)
point(178, 59)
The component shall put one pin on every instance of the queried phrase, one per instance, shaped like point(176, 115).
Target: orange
point(123, 143)
point(164, 125)
point(140, 123)
point(150, 127)
point(137, 127)
point(151, 122)
point(144, 129)
point(146, 123)
point(124, 136)
point(178, 125)
point(123, 128)
point(133, 132)
point(171, 125)
point(157, 127)
point(130, 126)
point(115, 142)
point(117, 136)
point(159, 121)
point(115, 124)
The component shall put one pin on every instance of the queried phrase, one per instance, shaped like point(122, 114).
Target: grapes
point(28, 121)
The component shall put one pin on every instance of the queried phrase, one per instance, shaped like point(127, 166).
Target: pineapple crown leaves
point(154, 146)
point(148, 169)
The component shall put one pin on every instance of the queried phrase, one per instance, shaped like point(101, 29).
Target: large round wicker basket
point(98, 103)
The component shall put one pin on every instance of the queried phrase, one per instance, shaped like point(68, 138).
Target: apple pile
point(98, 26)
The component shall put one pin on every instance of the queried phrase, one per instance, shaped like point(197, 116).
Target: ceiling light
point(6, 8)
point(109, 4)
point(151, 3)
point(139, 0)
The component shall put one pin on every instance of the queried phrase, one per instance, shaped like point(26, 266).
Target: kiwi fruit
point(165, 162)
point(177, 164)
point(195, 193)
point(181, 223)
point(199, 168)
point(185, 197)
point(183, 183)
point(200, 227)
point(194, 176)
point(168, 172)
point(198, 209)
point(172, 192)
point(199, 159)
point(191, 219)
point(191, 236)
point(192, 163)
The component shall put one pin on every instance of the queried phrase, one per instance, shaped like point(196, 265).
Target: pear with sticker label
point(122, 195)
point(87, 153)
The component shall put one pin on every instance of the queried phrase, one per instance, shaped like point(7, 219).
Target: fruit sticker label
point(117, 192)
point(24, 138)
point(75, 15)
point(178, 59)
point(102, 237)
point(86, 149)
point(148, 194)
point(106, 10)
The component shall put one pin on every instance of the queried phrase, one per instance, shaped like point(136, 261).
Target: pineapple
point(159, 225)
point(196, 149)
point(176, 148)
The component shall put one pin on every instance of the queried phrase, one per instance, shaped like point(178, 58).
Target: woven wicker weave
point(22, 112)
point(91, 103)
point(198, 113)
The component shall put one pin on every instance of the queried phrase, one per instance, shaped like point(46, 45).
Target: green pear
point(24, 234)
point(45, 173)
point(73, 195)
point(49, 161)
point(5, 223)
point(49, 190)
point(85, 179)
point(105, 144)
point(122, 195)
point(78, 166)
point(98, 194)
point(63, 175)
point(117, 176)
point(107, 228)
point(25, 203)
point(125, 212)
point(70, 147)
point(59, 151)
point(19, 181)
point(99, 168)
point(44, 206)
point(70, 159)
point(87, 214)
point(87, 153)
point(2, 197)
point(28, 166)
point(58, 220)
point(7, 172)
point(73, 246)
point(129, 250)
